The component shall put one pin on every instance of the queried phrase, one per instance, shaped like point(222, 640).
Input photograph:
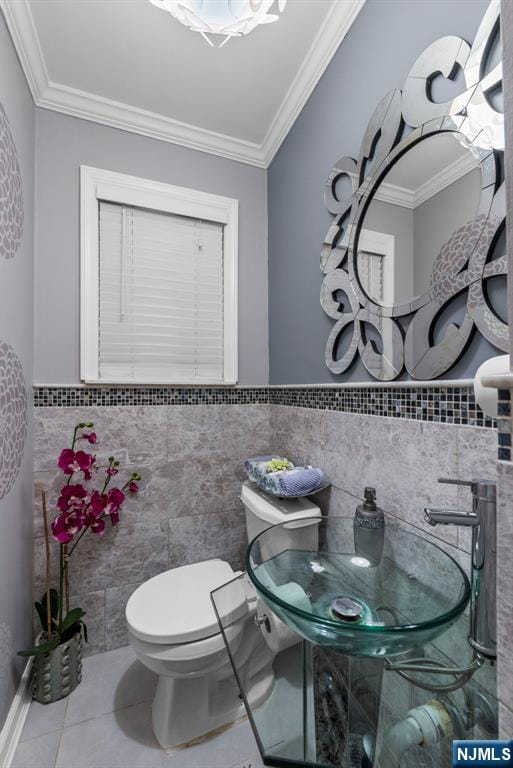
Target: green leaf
point(54, 609)
point(72, 618)
point(42, 615)
point(38, 650)
point(54, 604)
point(69, 633)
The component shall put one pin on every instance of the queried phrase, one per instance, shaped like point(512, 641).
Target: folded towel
point(256, 467)
point(293, 482)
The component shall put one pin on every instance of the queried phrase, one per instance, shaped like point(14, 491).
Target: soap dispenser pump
point(369, 529)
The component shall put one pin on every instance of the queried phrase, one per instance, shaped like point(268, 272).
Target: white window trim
point(381, 244)
point(97, 184)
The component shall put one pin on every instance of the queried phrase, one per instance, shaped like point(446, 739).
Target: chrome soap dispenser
point(369, 529)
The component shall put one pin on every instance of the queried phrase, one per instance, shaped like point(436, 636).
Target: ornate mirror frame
point(463, 262)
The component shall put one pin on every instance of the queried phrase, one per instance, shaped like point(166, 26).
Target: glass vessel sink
point(363, 592)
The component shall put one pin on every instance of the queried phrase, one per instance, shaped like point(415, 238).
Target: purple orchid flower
point(60, 530)
point(98, 527)
point(90, 437)
point(71, 462)
point(81, 509)
point(72, 497)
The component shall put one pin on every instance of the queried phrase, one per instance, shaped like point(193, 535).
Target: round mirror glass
point(430, 192)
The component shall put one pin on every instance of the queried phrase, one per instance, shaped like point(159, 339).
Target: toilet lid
point(175, 606)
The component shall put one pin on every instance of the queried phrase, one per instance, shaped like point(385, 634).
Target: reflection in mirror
point(429, 193)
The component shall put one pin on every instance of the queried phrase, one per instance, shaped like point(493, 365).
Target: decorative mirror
point(417, 219)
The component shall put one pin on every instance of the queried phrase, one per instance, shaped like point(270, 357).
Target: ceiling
point(130, 64)
point(430, 158)
point(426, 169)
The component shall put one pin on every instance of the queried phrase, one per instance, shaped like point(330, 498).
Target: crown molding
point(395, 195)
point(96, 109)
point(22, 29)
point(335, 27)
point(390, 193)
point(411, 198)
point(448, 175)
point(89, 106)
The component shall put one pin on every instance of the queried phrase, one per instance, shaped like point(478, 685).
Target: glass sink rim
point(370, 629)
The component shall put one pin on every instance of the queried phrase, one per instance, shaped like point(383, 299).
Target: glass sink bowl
point(362, 592)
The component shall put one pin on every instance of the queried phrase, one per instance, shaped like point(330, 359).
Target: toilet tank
point(264, 510)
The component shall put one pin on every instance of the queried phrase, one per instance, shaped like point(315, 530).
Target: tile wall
point(505, 508)
point(401, 458)
point(188, 508)
point(190, 458)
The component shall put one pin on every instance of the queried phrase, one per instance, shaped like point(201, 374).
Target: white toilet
point(174, 631)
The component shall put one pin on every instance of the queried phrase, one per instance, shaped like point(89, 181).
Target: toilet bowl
point(174, 631)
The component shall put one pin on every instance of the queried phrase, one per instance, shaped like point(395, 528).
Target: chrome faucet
point(483, 520)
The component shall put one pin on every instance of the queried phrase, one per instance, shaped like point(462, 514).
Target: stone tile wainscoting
point(189, 449)
point(401, 458)
point(505, 572)
point(188, 508)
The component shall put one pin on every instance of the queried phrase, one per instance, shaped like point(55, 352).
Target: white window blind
point(161, 313)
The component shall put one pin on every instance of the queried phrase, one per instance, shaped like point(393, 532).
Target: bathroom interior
point(257, 513)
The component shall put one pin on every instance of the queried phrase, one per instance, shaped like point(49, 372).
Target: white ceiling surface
point(131, 64)
point(133, 52)
point(426, 169)
point(430, 158)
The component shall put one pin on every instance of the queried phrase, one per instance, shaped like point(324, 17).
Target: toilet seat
point(185, 652)
point(174, 608)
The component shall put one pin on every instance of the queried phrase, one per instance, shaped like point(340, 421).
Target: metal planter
point(59, 672)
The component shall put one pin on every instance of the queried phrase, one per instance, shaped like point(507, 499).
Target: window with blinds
point(160, 296)
point(158, 282)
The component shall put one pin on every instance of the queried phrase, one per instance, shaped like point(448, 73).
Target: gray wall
point(377, 54)
point(16, 330)
point(62, 145)
point(505, 490)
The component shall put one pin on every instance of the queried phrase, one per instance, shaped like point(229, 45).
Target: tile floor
point(106, 723)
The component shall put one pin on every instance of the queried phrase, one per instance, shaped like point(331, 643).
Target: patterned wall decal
point(6, 652)
point(11, 197)
point(13, 417)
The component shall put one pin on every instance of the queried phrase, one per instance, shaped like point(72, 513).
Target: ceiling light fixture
point(231, 18)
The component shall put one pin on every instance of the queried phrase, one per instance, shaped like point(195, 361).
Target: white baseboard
point(13, 726)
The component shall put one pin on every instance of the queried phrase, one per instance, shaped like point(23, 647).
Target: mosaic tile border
point(504, 424)
point(66, 397)
point(449, 405)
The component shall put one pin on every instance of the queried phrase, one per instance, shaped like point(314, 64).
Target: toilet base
point(185, 709)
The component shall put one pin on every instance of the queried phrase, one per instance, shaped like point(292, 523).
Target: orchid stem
point(47, 548)
point(61, 585)
point(74, 437)
point(75, 544)
point(66, 577)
